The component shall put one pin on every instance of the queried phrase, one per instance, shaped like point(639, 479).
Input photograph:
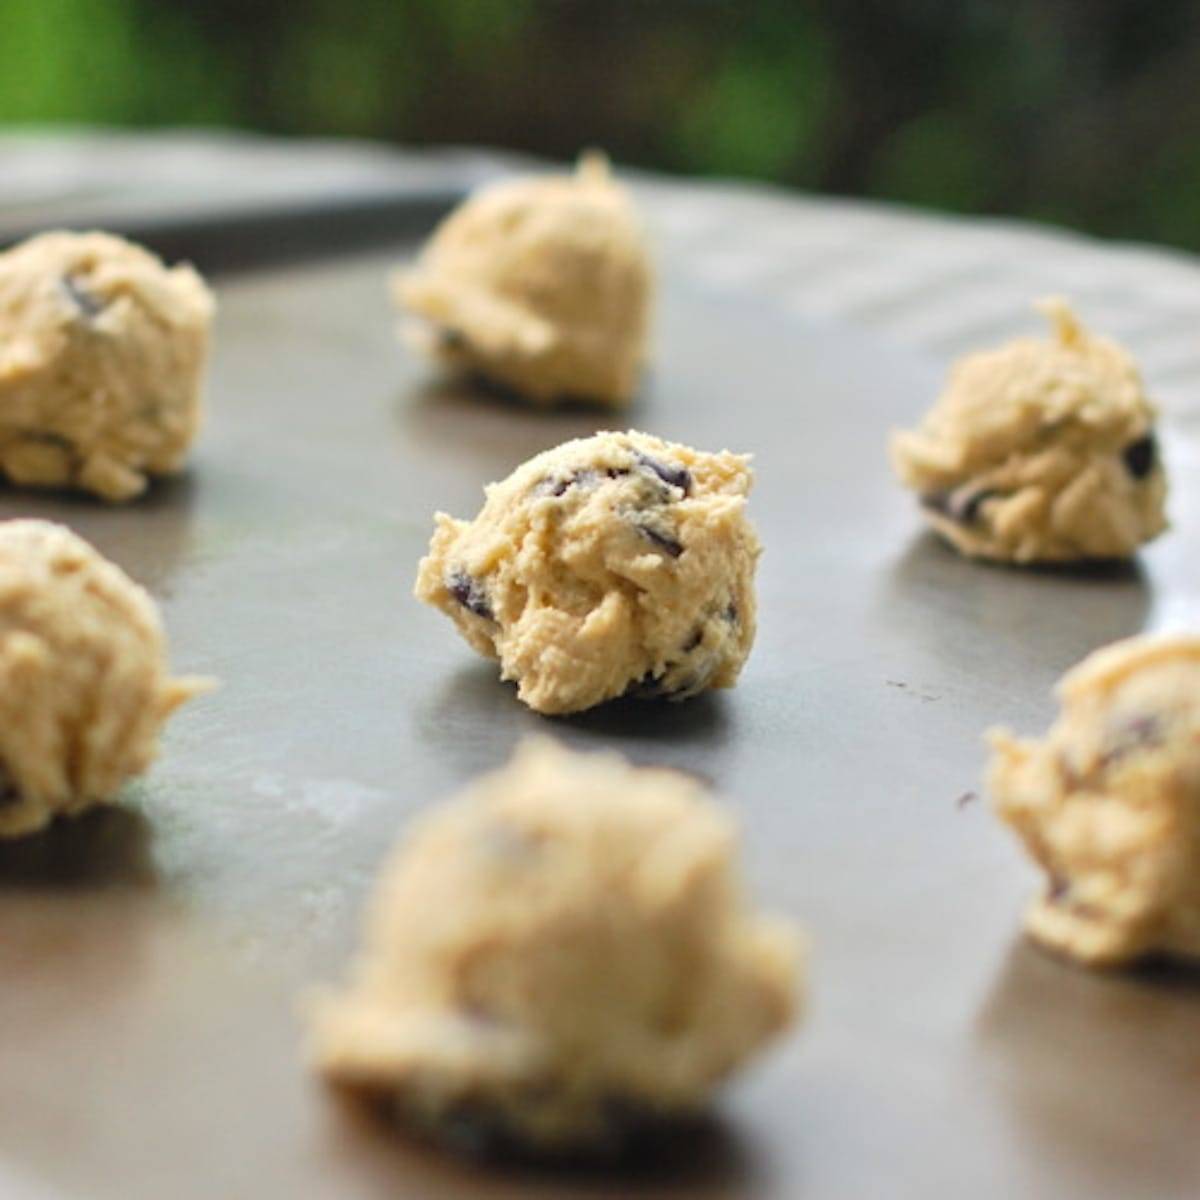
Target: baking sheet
point(151, 956)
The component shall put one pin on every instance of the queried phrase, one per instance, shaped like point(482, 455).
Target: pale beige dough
point(543, 285)
point(563, 950)
point(84, 687)
point(611, 565)
point(1108, 804)
point(102, 359)
point(1040, 451)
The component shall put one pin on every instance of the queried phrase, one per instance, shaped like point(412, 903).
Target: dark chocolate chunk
point(559, 485)
point(1140, 456)
point(960, 505)
point(731, 613)
point(663, 541)
point(670, 473)
point(89, 304)
point(692, 642)
point(1058, 888)
point(649, 687)
point(1137, 734)
point(470, 593)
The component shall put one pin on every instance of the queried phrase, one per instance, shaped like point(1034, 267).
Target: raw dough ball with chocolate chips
point(609, 565)
point(558, 954)
point(102, 356)
point(1108, 803)
point(84, 687)
point(1041, 451)
point(542, 285)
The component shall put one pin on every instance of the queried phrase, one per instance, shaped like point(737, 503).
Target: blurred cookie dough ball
point(542, 285)
point(84, 688)
point(559, 955)
point(611, 565)
point(1108, 804)
point(102, 358)
point(1040, 451)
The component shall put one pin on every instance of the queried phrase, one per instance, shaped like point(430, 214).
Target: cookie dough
point(558, 955)
point(1108, 804)
point(542, 285)
point(102, 356)
point(1040, 452)
point(84, 688)
point(611, 565)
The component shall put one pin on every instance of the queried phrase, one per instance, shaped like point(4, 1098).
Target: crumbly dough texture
point(1040, 451)
point(1108, 804)
point(102, 358)
point(542, 285)
point(84, 687)
point(560, 953)
point(611, 565)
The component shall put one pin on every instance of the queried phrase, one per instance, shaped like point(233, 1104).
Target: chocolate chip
point(559, 485)
point(649, 687)
point(1140, 456)
point(960, 505)
point(1136, 734)
point(89, 304)
point(8, 791)
point(1058, 888)
point(731, 613)
point(470, 593)
point(693, 641)
point(664, 542)
point(670, 473)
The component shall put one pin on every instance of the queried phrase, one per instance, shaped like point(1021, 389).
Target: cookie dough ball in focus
point(562, 952)
point(1041, 451)
point(1108, 804)
point(102, 357)
point(542, 285)
point(84, 687)
point(610, 565)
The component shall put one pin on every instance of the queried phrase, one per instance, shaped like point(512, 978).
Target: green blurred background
point(1081, 112)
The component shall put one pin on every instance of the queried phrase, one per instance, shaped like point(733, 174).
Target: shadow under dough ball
point(612, 565)
point(542, 285)
point(558, 956)
point(1108, 804)
point(84, 688)
point(102, 359)
point(1042, 451)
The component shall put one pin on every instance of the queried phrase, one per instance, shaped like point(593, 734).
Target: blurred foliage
point(1078, 111)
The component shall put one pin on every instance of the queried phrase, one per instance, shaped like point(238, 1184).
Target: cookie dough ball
point(610, 565)
point(84, 687)
point(1108, 804)
point(541, 285)
point(1040, 452)
point(102, 356)
point(560, 953)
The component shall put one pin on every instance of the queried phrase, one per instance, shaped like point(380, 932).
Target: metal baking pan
point(151, 955)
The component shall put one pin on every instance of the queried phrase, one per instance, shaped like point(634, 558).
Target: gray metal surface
point(151, 957)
